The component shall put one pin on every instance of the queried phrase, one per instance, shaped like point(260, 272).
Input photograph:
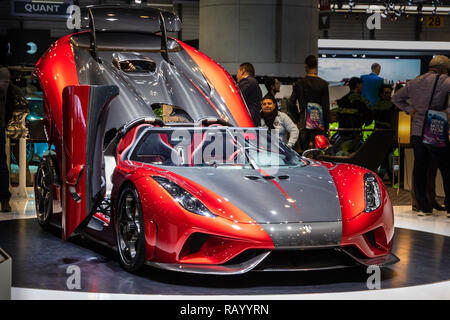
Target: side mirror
point(321, 142)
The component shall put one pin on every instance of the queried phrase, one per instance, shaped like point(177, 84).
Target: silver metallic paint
point(312, 189)
point(179, 83)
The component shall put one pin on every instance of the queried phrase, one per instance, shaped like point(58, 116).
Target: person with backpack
point(309, 104)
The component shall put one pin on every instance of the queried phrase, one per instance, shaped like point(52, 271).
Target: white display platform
point(5, 276)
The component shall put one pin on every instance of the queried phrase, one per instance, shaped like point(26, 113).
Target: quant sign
point(56, 9)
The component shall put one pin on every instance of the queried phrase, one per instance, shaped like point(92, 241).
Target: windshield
point(214, 146)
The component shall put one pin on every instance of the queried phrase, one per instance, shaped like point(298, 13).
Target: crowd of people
point(370, 104)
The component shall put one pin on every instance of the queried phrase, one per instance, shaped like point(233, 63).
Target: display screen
point(336, 70)
point(25, 47)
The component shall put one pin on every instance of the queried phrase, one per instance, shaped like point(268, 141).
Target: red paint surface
point(349, 180)
point(223, 83)
point(174, 225)
point(55, 70)
point(74, 112)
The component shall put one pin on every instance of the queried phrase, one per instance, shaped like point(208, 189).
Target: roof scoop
point(133, 62)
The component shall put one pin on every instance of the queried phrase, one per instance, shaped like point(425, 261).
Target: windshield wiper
point(250, 160)
point(215, 164)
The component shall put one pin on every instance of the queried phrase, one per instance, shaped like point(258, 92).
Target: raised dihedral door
point(85, 110)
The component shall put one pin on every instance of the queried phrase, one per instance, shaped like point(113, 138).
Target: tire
point(43, 193)
point(130, 234)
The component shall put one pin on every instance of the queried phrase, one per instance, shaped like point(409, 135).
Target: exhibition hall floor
point(41, 260)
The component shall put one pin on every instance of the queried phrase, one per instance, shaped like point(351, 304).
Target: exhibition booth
point(137, 172)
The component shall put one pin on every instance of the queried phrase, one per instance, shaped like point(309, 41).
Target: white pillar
point(21, 190)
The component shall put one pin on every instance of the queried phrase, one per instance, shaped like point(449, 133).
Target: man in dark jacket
point(11, 100)
point(251, 92)
point(310, 96)
point(352, 113)
point(5, 115)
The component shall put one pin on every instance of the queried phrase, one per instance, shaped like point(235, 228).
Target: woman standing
point(277, 120)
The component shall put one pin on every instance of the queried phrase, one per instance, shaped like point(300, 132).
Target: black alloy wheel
point(43, 193)
point(130, 230)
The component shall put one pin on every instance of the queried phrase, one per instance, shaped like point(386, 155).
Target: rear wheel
point(130, 230)
point(43, 193)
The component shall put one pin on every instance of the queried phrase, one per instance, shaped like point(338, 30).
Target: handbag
point(435, 128)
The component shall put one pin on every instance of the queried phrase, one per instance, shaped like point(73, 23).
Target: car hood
point(292, 195)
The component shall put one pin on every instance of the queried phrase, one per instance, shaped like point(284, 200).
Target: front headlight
point(372, 192)
point(184, 198)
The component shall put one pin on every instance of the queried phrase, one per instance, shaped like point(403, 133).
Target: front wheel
point(130, 230)
point(43, 193)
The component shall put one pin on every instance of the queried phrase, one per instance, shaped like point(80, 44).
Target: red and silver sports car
point(155, 154)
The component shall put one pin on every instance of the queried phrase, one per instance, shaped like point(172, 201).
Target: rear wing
point(140, 19)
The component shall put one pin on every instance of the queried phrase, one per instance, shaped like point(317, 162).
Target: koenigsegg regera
point(155, 154)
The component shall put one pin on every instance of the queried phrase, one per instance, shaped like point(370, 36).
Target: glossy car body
point(302, 216)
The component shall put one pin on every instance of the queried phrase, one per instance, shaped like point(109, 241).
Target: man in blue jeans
point(419, 91)
point(371, 84)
